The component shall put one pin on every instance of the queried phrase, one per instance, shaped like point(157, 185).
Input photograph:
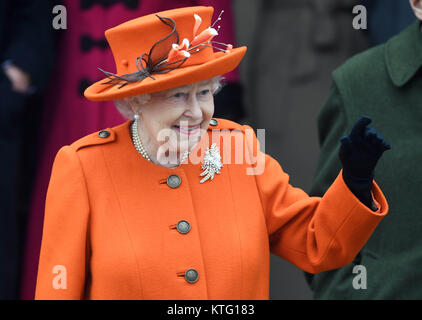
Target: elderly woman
point(174, 204)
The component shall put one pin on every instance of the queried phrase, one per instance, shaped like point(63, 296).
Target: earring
point(136, 113)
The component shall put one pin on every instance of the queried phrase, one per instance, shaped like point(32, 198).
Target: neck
point(156, 154)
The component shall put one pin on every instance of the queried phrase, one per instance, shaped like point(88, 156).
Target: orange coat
point(111, 219)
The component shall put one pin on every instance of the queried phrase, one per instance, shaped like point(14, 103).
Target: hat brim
point(221, 64)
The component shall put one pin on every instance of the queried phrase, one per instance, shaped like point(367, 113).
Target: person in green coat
point(384, 83)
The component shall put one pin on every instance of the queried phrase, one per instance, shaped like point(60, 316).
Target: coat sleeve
point(62, 264)
point(315, 234)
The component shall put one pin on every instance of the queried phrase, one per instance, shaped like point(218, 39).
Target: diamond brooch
point(211, 163)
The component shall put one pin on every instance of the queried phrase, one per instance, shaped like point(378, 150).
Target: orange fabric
point(135, 37)
point(110, 221)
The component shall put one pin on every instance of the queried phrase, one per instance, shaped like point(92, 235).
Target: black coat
point(26, 34)
point(386, 18)
point(26, 38)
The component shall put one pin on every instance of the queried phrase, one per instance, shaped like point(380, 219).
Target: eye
point(178, 96)
point(204, 94)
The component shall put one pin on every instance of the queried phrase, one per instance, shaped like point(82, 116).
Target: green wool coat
point(384, 83)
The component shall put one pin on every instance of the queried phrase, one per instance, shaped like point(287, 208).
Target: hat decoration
point(167, 54)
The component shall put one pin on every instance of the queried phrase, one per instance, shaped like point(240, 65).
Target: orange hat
point(162, 51)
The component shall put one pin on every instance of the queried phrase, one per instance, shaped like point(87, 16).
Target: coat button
point(174, 181)
point(191, 275)
point(104, 134)
point(183, 227)
point(213, 122)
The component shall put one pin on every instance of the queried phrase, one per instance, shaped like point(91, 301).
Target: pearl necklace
point(138, 143)
point(137, 140)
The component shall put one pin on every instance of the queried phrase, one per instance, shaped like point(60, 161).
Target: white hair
point(124, 105)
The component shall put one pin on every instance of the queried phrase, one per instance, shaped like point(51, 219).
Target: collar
point(403, 54)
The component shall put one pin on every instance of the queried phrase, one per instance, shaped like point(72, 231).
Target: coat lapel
point(403, 54)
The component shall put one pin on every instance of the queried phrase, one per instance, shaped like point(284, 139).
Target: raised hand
point(359, 154)
point(361, 150)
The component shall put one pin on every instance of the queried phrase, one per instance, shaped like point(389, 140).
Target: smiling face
point(177, 117)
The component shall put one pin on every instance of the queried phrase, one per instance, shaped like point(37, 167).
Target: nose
point(193, 108)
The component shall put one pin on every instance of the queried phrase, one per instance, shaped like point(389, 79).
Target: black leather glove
point(359, 154)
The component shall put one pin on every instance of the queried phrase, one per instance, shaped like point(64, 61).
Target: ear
point(132, 103)
point(417, 8)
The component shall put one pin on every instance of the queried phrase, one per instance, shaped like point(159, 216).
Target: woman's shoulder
point(219, 123)
point(110, 135)
point(100, 137)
